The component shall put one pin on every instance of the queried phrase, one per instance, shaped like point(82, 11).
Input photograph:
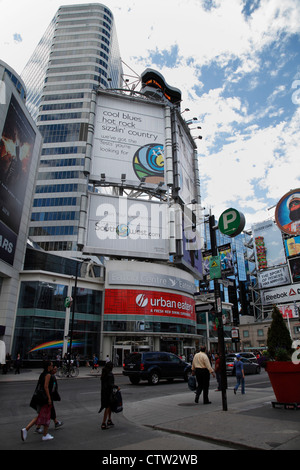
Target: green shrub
point(279, 341)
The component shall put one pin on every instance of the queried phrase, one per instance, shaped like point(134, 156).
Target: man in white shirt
point(201, 368)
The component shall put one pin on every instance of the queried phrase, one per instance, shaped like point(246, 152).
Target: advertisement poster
point(287, 214)
point(295, 269)
point(136, 302)
point(127, 227)
point(16, 148)
point(129, 139)
point(268, 245)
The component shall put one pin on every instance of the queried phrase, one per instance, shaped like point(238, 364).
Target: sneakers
point(23, 434)
point(58, 424)
point(47, 437)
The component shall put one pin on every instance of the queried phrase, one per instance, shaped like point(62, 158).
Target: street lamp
point(218, 312)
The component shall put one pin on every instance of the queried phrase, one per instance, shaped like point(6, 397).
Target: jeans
point(240, 381)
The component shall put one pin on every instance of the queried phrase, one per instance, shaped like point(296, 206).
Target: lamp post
point(218, 312)
point(73, 313)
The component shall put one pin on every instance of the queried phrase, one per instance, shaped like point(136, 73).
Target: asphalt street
point(162, 418)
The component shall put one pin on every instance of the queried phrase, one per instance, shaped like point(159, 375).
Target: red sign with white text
point(137, 302)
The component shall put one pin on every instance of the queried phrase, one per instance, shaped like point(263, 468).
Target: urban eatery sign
point(139, 302)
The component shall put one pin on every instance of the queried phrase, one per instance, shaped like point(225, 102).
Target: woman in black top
point(107, 385)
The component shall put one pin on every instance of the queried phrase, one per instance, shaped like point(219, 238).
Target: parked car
point(249, 366)
point(153, 366)
point(247, 355)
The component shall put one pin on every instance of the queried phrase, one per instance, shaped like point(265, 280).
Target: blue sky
point(237, 63)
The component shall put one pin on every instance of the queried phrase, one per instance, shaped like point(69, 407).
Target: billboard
point(287, 214)
point(129, 139)
point(127, 227)
point(268, 245)
point(16, 152)
point(148, 302)
point(273, 277)
point(282, 294)
point(185, 161)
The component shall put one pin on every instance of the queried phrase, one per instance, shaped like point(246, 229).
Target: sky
point(237, 64)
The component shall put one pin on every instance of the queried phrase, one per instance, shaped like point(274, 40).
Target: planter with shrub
point(284, 374)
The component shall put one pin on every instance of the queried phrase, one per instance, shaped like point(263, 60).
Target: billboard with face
point(287, 214)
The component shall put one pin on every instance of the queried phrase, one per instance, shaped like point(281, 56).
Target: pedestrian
point(107, 386)
point(45, 384)
point(18, 364)
point(218, 371)
point(54, 397)
point(240, 375)
point(107, 358)
point(95, 362)
point(201, 368)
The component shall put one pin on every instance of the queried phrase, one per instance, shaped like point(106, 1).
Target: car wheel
point(154, 378)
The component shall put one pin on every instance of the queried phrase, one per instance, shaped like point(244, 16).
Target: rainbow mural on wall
point(55, 345)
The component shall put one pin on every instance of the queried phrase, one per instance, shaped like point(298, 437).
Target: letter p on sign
point(231, 222)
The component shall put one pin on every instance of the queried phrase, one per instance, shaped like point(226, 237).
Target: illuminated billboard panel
point(129, 139)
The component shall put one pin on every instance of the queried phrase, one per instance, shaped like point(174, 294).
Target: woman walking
point(107, 386)
point(45, 383)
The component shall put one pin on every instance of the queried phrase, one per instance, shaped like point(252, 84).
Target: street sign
point(231, 222)
point(68, 301)
point(215, 267)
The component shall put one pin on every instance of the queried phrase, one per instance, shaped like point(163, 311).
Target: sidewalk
point(250, 422)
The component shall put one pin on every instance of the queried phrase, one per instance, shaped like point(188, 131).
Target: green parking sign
point(231, 222)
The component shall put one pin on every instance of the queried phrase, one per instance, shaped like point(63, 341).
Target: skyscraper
point(78, 53)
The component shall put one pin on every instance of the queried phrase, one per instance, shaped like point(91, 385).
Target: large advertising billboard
point(149, 302)
point(16, 151)
point(287, 214)
point(268, 245)
point(127, 227)
point(129, 139)
point(282, 294)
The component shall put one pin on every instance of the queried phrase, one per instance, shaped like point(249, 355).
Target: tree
point(279, 341)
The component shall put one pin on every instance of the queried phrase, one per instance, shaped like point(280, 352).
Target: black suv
point(153, 366)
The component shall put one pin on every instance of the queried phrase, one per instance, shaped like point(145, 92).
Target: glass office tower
point(78, 53)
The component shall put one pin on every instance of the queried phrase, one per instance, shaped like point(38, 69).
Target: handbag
point(116, 401)
point(192, 384)
point(39, 397)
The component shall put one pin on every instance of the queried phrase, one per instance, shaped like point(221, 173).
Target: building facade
point(19, 153)
point(78, 53)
